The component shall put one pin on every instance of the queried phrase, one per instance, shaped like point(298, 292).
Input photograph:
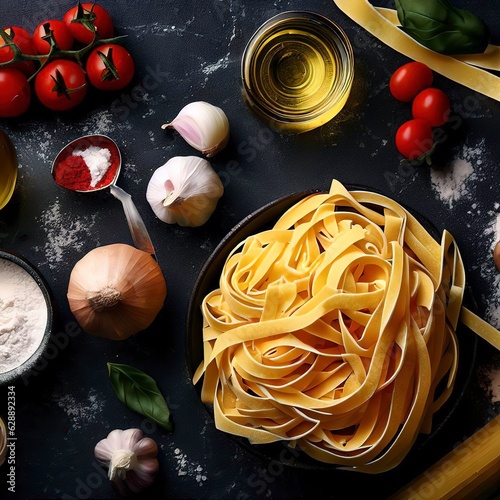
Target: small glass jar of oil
point(297, 71)
point(8, 168)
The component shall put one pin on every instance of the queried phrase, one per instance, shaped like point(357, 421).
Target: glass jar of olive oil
point(297, 71)
point(8, 168)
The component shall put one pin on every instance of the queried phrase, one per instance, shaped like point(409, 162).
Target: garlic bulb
point(130, 458)
point(203, 126)
point(116, 291)
point(184, 191)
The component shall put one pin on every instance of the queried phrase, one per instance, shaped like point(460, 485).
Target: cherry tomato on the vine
point(61, 85)
point(55, 29)
point(408, 80)
point(414, 138)
point(110, 67)
point(84, 18)
point(432, 105)
point(15, 93)
point(24, 41)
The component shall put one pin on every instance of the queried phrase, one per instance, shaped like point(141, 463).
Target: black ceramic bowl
point(23, 370)
point(208, 280)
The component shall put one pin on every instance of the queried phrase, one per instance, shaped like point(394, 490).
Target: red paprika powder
point(73, 173)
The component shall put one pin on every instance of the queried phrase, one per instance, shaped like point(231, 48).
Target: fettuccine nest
point(334, 330)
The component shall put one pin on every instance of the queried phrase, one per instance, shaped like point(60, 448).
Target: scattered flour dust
point(102, 121)
point(494, 388)
point(65, 233)
point(159, 29)
point(82, 413)
point(454, 181)
point(187, 468)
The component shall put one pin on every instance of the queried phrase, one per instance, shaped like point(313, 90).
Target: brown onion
point(116, 291)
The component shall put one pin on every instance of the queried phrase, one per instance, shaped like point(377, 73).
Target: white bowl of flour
point(26, 316)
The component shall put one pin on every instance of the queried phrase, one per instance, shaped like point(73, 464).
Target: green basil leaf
point(140, 393)
point(439, 26)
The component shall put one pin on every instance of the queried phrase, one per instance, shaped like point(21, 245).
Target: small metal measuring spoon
point(136, 225)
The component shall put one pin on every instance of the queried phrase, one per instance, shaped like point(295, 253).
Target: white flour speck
point(159, 29)
point(222, 63)
point(494, 388)
point(185, 467)
point(103, 122)
point(65, 233)
point(82, 413)
point(454, 181)
point(44, 149)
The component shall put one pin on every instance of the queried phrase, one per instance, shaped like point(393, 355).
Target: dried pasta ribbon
point(335, 331)
point(464, 69)
point(489, 59)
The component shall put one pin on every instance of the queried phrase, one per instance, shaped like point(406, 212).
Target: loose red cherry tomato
point(414, 138)
point(55, 28)
point(110, 67)
point(25, 43)
point(61, 85)
point(80, 22)
point(432, 105)
point(408, 80)
point(15, 93)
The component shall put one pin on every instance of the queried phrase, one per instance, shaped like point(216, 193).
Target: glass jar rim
point(337, 41)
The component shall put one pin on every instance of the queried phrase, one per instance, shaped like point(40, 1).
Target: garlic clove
point(145, 447)
point(139, 480)
point(203, 126)
point(184, 191)
point(130, 438)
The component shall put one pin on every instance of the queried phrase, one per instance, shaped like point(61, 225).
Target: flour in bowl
point(23, 315)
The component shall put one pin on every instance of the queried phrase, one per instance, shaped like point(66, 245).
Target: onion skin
point(133, 274)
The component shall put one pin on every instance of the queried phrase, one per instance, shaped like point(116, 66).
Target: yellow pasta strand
point(335, 331)
point(489, 59)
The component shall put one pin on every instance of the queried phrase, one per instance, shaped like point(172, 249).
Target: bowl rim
point(15, 373)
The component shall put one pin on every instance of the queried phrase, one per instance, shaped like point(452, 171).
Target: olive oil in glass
point(297, 71)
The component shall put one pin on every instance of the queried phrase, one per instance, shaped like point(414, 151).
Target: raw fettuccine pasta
point(466, 70)
point(335, 331)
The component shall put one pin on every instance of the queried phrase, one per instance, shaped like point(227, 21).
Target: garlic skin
point(115, 291)
point(203, 126)
point(184, 191)
point(130, 458)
